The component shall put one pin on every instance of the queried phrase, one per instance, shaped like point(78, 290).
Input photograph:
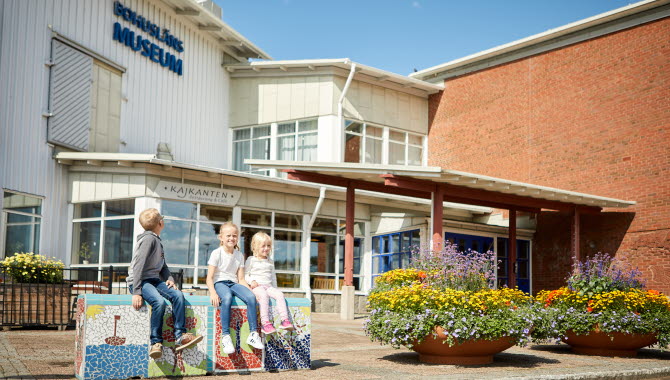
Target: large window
point(107, 224)
point(292, 141)
point(190, 235)
point(22, 217)
point(327, 254)
point(393, 251)
point(286, 233)
point(296, 141)
point(251, 142)
point(365, 143)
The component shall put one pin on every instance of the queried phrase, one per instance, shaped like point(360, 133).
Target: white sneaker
point(227, 343)
point(254, 340)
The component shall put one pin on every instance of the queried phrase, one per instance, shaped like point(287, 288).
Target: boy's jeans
point(226, 289)
point(155, 292)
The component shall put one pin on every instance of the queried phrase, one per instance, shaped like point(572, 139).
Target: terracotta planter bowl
point(470, 352)
point(601, 343)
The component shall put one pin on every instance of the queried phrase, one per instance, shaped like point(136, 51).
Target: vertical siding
point(188, 112)
point(269, 99)
point(385, 106)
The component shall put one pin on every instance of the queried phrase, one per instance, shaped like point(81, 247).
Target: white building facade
point(109, 107)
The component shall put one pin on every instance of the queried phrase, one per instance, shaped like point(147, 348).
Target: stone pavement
point(340, 350)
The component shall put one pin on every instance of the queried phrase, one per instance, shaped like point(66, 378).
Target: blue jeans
point(226, 290)
point(155, 292)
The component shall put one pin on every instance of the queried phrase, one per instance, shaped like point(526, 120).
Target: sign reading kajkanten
point(201, 194)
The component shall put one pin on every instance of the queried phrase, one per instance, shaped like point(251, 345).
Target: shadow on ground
point(322, 363)
point(562, 349)
point(502, 360)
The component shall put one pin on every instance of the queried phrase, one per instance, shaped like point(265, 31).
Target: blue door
point(485, 244)
point(393, 251)
point(522, 263)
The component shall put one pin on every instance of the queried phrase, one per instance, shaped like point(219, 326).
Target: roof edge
point(551, 34)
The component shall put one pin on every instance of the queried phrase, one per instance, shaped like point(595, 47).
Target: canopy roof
point(459, 186)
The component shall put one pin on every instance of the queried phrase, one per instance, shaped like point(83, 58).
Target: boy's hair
point(258, 239)
point(227, 225)
point(149, 219)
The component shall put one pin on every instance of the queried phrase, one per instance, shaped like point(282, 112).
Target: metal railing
point(50, 300)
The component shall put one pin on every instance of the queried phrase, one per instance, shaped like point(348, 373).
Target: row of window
point(297, 141)
point(190, 235)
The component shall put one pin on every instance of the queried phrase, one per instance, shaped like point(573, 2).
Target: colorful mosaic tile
point(112, 340)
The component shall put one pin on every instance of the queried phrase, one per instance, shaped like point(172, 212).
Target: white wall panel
point(264, 100)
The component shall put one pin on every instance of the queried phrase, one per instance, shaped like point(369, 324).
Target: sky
point(398, 35)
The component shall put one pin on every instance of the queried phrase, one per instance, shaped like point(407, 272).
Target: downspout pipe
point(340, 107)
point(317, 208)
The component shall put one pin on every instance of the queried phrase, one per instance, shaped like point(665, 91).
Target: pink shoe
point(268, 328)
point(286, 325)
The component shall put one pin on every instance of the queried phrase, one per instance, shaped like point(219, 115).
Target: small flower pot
point(471, 352)
point(608, 344)
point(85, 262)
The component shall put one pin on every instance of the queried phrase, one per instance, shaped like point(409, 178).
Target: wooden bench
point(112, 340)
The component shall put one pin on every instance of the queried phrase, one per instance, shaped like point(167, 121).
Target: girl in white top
point(263, 281)
point(225, 279)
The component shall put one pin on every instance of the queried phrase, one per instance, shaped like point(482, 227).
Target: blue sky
point(398, 35)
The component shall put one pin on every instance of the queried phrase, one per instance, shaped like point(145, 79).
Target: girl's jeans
point(263, 294)
point(155, 292)
point(226, 290)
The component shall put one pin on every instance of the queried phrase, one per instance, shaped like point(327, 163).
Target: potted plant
point(84, 252)
point(604, 310)
point(37, 295)
point(445, 308)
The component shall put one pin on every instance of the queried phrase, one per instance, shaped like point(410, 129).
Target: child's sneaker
point(227, 343)
point(286, 325)
point(268, 328)
point(156, 351)
point(254, 340)
point(187, 340)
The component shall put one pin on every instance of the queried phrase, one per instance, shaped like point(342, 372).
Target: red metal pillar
point(511, 250)
point(438, 215)
point(574, 237)
point(349, 237)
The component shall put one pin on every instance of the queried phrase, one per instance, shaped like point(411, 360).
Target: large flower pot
point(470, 352)
point(608, 344)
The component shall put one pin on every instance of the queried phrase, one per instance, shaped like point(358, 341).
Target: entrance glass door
point(522, 263)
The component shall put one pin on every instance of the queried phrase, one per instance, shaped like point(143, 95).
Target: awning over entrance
point(442, 185)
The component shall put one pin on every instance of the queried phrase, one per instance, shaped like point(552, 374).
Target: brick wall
point(592, 117)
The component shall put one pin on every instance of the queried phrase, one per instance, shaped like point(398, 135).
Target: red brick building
point(584, 107)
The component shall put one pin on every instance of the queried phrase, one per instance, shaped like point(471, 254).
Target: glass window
point(365, 143)
point(88, 210)
point(251, 142)
point(256, 218)
point(119, 208)
point(118, 240)
point(86, 242)
point(288, 221)
point(297, 141)
point(287, 248)
point(209, 241)
point(245, 239)
point(396, 153)
point(393, 251)
point(178, 209)
point(322, 250)
point(178, 238)
point(215, 214)
point(325, 225)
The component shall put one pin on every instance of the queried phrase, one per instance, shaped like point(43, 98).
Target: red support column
point(438, 215)
point(574, 237)
point(511, 250)
point(349, 237)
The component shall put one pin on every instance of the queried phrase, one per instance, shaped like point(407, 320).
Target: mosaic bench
point(112, 340)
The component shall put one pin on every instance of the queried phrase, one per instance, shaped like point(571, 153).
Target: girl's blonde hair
point(258, 239)
point(224, 226)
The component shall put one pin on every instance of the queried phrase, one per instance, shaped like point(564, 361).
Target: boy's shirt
point(148, 261)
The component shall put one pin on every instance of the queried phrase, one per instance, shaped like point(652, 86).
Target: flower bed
point(449, 289)
point(602, 295)
point(33, 268)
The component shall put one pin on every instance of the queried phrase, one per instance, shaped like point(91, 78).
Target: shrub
point(33, 268)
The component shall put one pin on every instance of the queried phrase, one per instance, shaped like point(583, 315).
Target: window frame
point(35, 218)
point(407, 144)
point(339, 242)
point(274, 138)
point(102, 219)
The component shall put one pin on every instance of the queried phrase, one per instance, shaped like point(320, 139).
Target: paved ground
point(340, 350)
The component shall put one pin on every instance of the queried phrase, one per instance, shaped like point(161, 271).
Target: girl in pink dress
point(260, 274)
